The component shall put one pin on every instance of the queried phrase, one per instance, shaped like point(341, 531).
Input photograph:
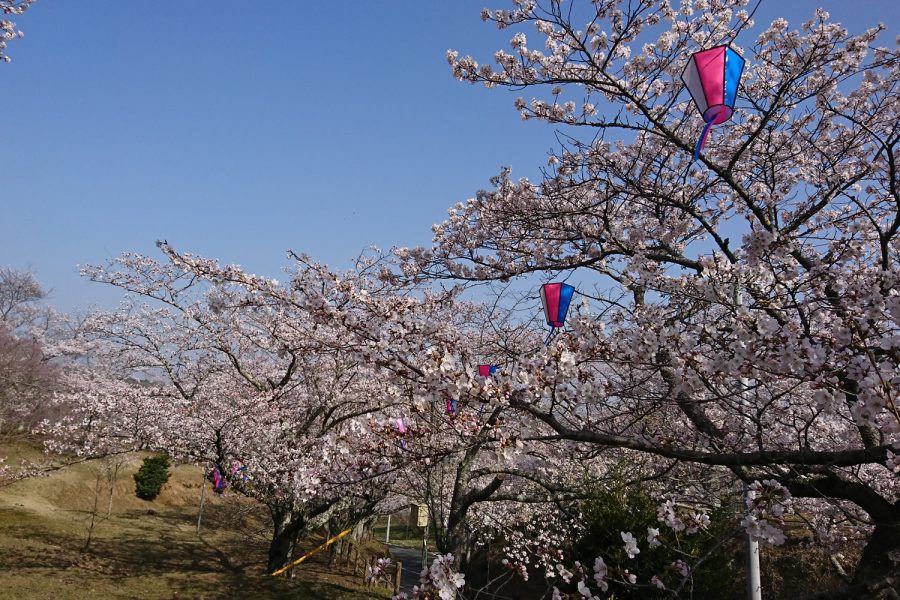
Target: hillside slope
point(147, 550)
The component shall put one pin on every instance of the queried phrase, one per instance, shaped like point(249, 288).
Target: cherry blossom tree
point(291, 391)
point(740, 323)
point(491, 475)
point(8, 31)
point(19, 291)
point(224, 376)
point(746, 305)
point(26, 380)
point(40, 354)
point(29, 342)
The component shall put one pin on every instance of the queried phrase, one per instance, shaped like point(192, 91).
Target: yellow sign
point(419, 514)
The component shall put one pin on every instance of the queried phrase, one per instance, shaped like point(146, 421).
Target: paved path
point(412, 565)
point(412, 569)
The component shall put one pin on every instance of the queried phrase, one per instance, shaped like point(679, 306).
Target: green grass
point(399, 535)
point(44, 525)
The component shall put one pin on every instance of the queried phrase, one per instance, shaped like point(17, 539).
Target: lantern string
point(702, 140)
point(550, 337)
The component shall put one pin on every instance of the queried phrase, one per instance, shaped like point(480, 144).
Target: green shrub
point(608, 512)
point(153, 474)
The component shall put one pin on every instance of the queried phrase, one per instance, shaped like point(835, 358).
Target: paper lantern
point(487, 370)
point(712, 77)
point(401, 428)
point(556, 298)
point(451, 406)
point(219, 482)
point(240, 469)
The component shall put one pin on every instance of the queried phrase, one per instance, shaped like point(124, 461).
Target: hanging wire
point(550, 336)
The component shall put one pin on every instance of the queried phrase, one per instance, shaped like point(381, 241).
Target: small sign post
point(419, 513)
point(422, 515)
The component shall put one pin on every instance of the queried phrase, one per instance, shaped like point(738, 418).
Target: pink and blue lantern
point(712, 77)
point(219, 483)
point(556, 298)
point(452, 404)
point(486, 370)
point(240, 469)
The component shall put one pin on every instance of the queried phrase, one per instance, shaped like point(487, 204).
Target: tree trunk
point(877, 575)
point(878, 570)
point(453, 539)
point(288, 523)
point(87, 543)
point(112, 488)
point(285, 527)
point(111, 467)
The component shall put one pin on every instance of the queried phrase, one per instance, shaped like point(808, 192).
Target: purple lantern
point(556, 298)
point(486, 370)
point(712, 77)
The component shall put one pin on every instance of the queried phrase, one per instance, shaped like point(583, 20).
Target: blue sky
point(239, 130)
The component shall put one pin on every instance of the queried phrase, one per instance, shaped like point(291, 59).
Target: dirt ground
point(147, 550)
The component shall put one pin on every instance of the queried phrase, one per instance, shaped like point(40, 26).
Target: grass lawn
point(399, 534)
point(148, 550)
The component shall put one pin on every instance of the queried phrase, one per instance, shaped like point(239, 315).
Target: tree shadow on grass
point(125, 546)
point(223, 558)
point(264, 587)
point(158, 555)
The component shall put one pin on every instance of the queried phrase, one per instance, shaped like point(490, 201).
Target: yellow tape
point(311, 552)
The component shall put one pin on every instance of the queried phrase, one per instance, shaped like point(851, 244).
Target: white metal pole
point(387, 534)
point(425, 547)
point(754, 582)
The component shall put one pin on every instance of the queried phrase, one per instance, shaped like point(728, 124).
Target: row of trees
point(738, 323)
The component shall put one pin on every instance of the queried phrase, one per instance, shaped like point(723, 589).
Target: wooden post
point(397, 575)
point(332, 551)
point(202, 498)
